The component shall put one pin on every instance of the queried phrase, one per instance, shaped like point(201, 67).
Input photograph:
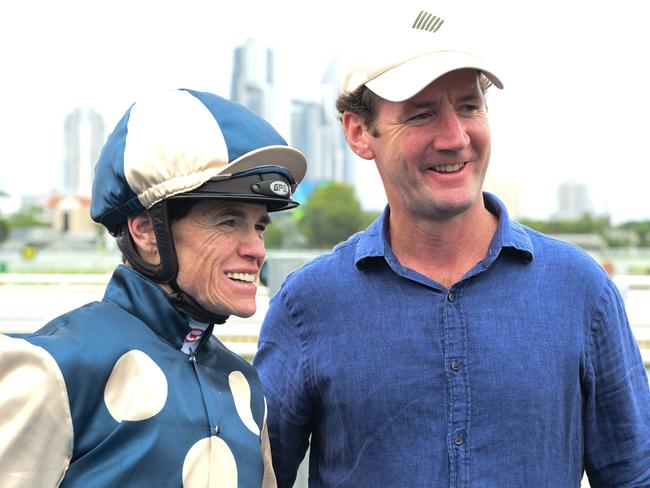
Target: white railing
point(54, 279)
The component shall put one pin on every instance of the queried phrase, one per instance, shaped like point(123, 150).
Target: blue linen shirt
point(522, 374)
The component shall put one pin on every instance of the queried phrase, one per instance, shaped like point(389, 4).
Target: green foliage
point(283, 232)
point(28, 217)
point(642, 231)
point(4, 230)
point(273, 236)
point(629, 234)
point(586, 225)
point(4, 226)
point(331, 214)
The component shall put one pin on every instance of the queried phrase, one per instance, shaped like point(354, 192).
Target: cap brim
point(287, 157)
point(272, 204)
point(269, 185)
point(409, 78)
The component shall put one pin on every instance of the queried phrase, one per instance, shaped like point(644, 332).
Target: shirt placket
point(455, 338)
point(214, 427)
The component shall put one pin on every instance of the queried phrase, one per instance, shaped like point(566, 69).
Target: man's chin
point(453, 206)
point(243, 309)
point(243, 315)
point(243, 312)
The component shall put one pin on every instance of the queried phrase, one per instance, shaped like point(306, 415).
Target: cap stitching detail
point(427, 22)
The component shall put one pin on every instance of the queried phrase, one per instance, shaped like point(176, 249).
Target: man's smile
point(448, 168)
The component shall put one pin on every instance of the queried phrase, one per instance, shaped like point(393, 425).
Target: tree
point(641, 229)
point(4, 229)
point(331, 214)
point(4, 226)
point(28, 217)
point(586, 224)
point(283, 232)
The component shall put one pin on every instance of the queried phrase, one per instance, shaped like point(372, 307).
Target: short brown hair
point(361, 102)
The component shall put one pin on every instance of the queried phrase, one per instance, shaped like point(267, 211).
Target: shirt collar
point(509, 235)
point(373, 242)
point(148, 302)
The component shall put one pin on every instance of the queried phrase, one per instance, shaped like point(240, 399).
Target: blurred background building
point(83, 133)
point(252, 79)
point(573, 201)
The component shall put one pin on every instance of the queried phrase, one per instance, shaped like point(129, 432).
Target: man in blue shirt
point(447, 345)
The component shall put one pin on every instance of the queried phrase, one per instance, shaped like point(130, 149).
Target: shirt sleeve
point(281, 367)
point(617, 400)
point(35, 423)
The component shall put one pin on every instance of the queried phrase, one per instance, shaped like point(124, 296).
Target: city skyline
point(567, 113)
point(313, 128)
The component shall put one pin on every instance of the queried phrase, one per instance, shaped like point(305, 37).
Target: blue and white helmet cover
point(173, 142)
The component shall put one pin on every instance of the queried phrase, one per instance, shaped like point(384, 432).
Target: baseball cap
point(409, 48)
point(173, 143)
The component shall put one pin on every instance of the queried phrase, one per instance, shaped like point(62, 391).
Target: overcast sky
point(575, 104)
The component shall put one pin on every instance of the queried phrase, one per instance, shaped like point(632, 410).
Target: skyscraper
point(573, 201)
point(306, 123)
point(342, 155)
point(83, 138)
point(316, 131)
point(252, 79)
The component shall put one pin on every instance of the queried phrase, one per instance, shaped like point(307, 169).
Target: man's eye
point(260, 228)
point(470, 108)
point(422, 116)
point(228, 223)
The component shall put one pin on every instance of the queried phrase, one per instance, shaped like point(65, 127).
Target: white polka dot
point(210, 464)
point(136, 389)
point(241, 391)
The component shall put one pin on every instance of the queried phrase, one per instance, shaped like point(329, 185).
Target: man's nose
point(252, 246)
point(451, 134)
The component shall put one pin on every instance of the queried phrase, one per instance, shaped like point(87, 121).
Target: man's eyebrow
point(418, 104)
point(227, 211)
point(231, 211)
point(471, 97)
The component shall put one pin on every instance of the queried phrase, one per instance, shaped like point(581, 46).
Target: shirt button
point(451, 297)
point(455, 365)
point(459, 440)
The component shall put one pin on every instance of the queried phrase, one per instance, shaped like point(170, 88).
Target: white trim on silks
point(36, 432)
point(162, 157)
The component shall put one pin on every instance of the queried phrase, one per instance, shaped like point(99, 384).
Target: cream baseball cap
point(408, 49)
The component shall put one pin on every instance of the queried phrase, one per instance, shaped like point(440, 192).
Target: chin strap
point(186, 304)
point(167, 271)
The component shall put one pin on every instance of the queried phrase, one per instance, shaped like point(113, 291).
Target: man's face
point(433, 150)
point(220, 253)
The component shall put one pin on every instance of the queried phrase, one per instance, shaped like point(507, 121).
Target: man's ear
point(142, 233)
point(357, 135)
